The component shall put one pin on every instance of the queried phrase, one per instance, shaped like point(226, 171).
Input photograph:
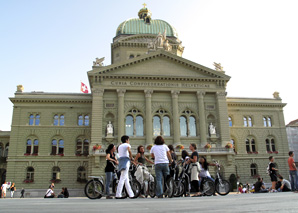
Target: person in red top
point(293, 171)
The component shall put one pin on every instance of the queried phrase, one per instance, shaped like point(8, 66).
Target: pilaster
point(176, 128)
point(121, 124)
point(223, 123)
point(202, 117)
point(149, 125)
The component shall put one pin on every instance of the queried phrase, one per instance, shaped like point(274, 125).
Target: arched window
point(134, 123)
point(161, 123)
point(267, 121)
point(166, 126)
point(80, 120)
point(156, 126)
point(6, 150)
point(188, 124)
point(232, 141)
point(81, 174)
point(192, 126)
point(131, 56)
point(37, 120)
point(253, 169)
point(183, 127)
point(31, 120)
point(86, 120)
point(250, 144)
point(56, 173)
point(30, 173)
point(57, 147)
point(139, 126)
point(56, 120)
point(270, 145)
point(129, 125)
point(247, 121)
point(230, 121)
point(61, 120)
point(29, 146)
point(35, 147)
point(82, 147)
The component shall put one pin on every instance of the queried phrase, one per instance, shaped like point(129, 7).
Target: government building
point(148, 90)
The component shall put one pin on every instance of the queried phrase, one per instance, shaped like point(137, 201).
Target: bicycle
point(135, 185)
point(94, 188)
point(222, 186)
point(182, 182)
point(149, 185)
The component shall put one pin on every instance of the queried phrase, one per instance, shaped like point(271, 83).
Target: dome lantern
point(145, 14)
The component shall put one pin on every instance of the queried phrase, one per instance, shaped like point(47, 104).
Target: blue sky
point(50, 45)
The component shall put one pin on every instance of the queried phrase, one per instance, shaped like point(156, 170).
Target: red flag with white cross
point(84, 88)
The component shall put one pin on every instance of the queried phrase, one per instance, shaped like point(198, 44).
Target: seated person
point(61, 194)
point(259, 186)
point(285, 185)
point(50, 193)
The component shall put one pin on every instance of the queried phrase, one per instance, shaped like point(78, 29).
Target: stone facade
point(53, 135)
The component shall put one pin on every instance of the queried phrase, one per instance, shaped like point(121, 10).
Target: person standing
point(12, 189)
point(161, 154)
point(195, 167)
point(3, 189)
point(293, 171)
point(273, 173)
point(174, 170)
point(110, 167)
point(22, 193)
point(124, 162)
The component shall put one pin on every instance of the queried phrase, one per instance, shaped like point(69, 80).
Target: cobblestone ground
point(268, 202)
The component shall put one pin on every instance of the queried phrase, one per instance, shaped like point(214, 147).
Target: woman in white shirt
point(161, 154)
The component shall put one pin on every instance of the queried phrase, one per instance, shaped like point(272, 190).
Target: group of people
point(279, 184)
point(5, 186)
point(51, 194)
point(164, 157)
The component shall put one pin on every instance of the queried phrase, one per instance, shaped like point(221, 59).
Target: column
point(121, 124)
point(149, 125)
point(96, 118)
point(223, 124)
point(202, 118)
point(176, 129)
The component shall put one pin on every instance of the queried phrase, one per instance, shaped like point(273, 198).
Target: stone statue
point(167, 46)
point(98, 62)
point(159, 40)
point(151, 45)
point(212, 130)
point(218, 66)
point(110, 128)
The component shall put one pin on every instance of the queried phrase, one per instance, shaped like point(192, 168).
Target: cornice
point(256, 104)
point(34, 100)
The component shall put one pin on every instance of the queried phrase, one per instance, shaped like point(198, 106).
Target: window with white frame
point(57, 147)
point(81, 174)
point(83, 120)
point(34, 119)
point(32, 146)
point(253, 169)
point(188, 125)
point(247, 121)
point(58, 120)
point(161, 123)
point(56, 173)
point(134, 123)
point(82, 147)
point(267, 121)
point(30, 173)
point(250, 145)
point(270, 144)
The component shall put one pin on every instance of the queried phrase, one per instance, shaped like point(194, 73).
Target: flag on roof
point(84, 88)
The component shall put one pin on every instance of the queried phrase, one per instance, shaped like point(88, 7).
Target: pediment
point(160, 64)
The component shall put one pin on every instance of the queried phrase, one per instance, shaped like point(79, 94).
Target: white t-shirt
point(49, 192)
point(122, 150)
point(286, 183)
point(4, 187)
point(160, 153)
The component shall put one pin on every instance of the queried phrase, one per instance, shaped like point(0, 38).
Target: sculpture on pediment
point(98, 62)
point(160, 39)
point(167, 46)
point(218, 66)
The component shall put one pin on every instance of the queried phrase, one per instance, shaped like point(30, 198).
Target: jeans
point(109, 179)
point(161, 171)
point(294, 179)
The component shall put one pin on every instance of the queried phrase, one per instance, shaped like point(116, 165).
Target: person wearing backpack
point(273, 173)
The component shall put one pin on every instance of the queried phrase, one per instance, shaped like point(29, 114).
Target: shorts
point(273, 177)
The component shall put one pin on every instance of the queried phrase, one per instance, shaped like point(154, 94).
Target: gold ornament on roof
point(218, 66)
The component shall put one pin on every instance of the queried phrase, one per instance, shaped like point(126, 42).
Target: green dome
point(139, 26)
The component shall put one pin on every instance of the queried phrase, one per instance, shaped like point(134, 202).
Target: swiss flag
point(84, 88)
